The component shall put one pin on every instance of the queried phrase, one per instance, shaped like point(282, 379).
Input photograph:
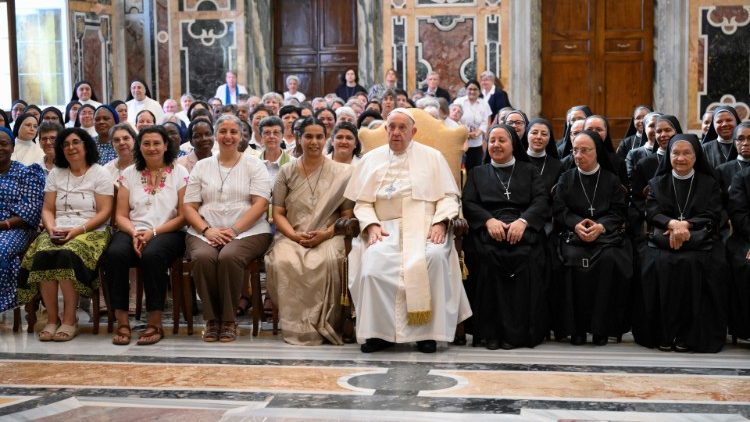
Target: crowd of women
point(567, 237)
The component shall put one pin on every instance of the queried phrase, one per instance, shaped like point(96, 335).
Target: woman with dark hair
point(4, 120)
point(77, 207)
point(345, 146)
point(16, 109)
point(105, 117)
point(590, 210)
point(27, 151)
point(367, 116)
point(579, 112)
point(84, 93)
point(507, 205)
point(47, 134)
point(140, 99)
point(634, 135)
point(121, 108)
point(328, 117)
point(225, 205)
point(303, 262)
point(34, 110)
point(149, 219)
point(21, 195)
point(682, 300)
point(85, 119)
point(143, 119)
point(71, 113)
point(52, 115)
point(476, 118)
point(349, 85)
point(174, 132)
point(200, 134)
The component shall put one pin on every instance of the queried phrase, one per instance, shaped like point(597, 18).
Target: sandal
point(122, 331)
point(243, 306)
point(152, 335)
point(48, 333)
point(66, 332)
point(228, 332)
point(211, 333)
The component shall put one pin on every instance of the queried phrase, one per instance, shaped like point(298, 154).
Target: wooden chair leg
point(138, 294)
point(275, 318)
point(254, 269)
point(187, 295)
point(31, 308)
point(175, 277)
point(110, 310)
point(16, 319)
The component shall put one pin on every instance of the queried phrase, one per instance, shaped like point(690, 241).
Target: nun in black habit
point(727, 171)
point(738, 253)
point(507, 205)
point(595, 257)
point(648, 146)
point(681, 305)
point(542, 151)
point(578, 112)
point(718, 145)
point(600, 125)
point(634, 136)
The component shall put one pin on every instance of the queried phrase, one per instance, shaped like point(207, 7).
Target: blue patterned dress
point(107, 152)
point(22, 195)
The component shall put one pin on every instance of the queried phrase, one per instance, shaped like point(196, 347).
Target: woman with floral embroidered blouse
point(149, 217)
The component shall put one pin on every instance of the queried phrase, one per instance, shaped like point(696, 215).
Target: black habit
point(718, 153)
point(737, 248)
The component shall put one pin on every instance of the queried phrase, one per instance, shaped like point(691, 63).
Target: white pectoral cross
point(390, 189)
point(507, 194)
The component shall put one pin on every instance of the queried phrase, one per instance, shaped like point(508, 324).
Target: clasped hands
point(375, 233)
point(313, 238)
point(61, 236)
point(141, 239)
point(510, 232)
point(588, 230)
point(219, 236)
point(678, 232)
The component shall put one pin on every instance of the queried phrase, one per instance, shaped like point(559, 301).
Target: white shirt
point(74, 200)
point(135, 107)
point(221, 93)
point(27, 153)
point(486, 95)
point(298, 95)
point(115, 172)
point(475, 116)
point(222, 209)
point(90, 102)
point(149, 211)
point(182, 115)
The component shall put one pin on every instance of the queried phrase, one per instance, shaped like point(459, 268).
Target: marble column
point(260, 77)
point(525, 56)
point(370, 42)
point(671, 56)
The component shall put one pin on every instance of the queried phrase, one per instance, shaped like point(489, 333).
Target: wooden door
point(315, 40)
point(598, 53)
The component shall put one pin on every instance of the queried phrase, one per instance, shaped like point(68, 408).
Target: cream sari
point(305, 283)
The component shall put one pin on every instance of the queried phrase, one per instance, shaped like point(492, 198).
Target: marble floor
point(264, 379)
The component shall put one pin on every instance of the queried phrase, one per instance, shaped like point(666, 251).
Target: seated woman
point(738, 245)
point(590, 209)
point(303, 263)
point(123, 141)
point(542, 151)
point(683, 269)
point(150, 236)
point(225, 204)
point(71, 113)
point(345, 146)
point(52, 115)
point(105, 118)
point(507, 205)
point(21, 195)
point(200, 134)
point(144, 118)
point(85, 119)
point(77, 207)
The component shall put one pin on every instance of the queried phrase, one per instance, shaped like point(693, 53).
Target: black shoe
point(506, 346)
point(681, 347)
point(375, 345)
point(427, 346)
point(665, 347)
point(492, 344)
point(578, 339)
point(599, 340)
point(459, 340)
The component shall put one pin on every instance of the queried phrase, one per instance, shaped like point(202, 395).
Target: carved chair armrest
point(348, 227)
point(460, 227)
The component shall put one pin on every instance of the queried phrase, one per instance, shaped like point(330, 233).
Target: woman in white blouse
point(123, 141)
point(225, 204)
point(150, 222)
point(77, 207)
point(476, 117)
point(140, 99)
point(27, 151)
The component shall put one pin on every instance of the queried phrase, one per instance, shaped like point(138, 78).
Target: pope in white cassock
point(404, 273)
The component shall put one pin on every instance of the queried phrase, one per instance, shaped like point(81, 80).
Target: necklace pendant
point(591, 210)
point(507, 194)
point(313, 199)
point(148, 202)
point(390, 190)
point(681, 218)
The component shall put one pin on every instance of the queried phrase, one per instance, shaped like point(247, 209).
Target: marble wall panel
point(208, 48)
point(92, 66)
point(91, 48)
point(163, 40)
point(456, 65)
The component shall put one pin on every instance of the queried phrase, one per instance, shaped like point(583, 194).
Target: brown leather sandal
point(122, 331)
point(228, 332)
point(152, 335)
point(211, 332)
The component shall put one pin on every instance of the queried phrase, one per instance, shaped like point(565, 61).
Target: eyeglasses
point(582, 150)
point(73, 143)
point(271, 133)
point(515, 123)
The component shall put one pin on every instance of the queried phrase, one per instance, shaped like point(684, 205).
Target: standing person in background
point(229, 92)
point(292, 86)
point(140, 99)
point(84, 93)
point(431, 87)
point(492, 93)
point(390, 82)
point(185, 102)
point(349, 85)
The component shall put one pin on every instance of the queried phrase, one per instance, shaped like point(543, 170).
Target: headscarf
point(567, 144)
point(67, 110)
point(701, 164)
point(33, 107)
point(145, 85)
point(111, 109)
point(78, 116)
point(551, 148)
point(9, 133)
point(116, 103)
point(6, 119)
point(672, 120)
point(19, 122)
point(646, 120)
point(608, 140)
point(13, 104)
point(602, 156)
point(74, 97)
point(180, 130)
point(519, 151)
point(631, 127)
point(204, 104)
point(54, 110)
point(712, 134)
point(523, 139)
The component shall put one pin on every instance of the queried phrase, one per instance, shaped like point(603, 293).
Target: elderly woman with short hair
point(292, 86)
